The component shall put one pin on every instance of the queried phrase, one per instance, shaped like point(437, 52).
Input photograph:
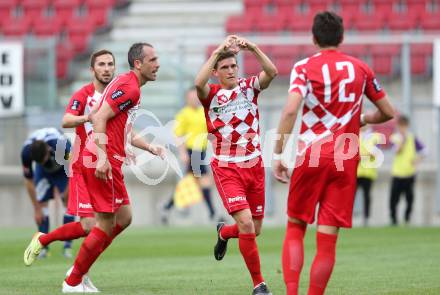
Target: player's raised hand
point(228, 44)
point(280, 171)
point(245, 44)
point(104, 171)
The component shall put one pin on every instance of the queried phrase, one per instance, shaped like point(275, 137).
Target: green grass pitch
point(180, 261)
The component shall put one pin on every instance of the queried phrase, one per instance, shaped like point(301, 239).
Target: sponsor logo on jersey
point(236, 199)
point(222, 99)
point(75, 105)
point(85, 206)
point(119, 201)
point(377, 85)
point(117, 93)
point(124, 105)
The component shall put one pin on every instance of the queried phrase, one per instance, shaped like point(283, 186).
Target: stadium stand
point(72, 22)
point(382, 17)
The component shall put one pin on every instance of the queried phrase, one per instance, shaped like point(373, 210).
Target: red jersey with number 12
point(332, 85)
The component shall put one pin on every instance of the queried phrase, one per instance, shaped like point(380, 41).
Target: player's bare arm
point(385, 111)
point(30, 187)
point(202, 78)
point(72, 121)
point(140, 143)
point(269, 69)
point(287, 122)
point(99, 121)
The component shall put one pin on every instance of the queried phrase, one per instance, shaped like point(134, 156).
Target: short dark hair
point(328, 29)
point(224, 55)
point(99, 53)
point(403, 120)
point(39, 150)
point(136, 52)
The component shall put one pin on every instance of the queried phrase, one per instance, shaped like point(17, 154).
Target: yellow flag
point(187, 192)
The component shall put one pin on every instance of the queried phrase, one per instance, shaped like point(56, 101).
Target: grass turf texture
point(180, 261)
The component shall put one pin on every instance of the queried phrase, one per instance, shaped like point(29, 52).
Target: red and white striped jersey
point(232, 120)
point(332, 85)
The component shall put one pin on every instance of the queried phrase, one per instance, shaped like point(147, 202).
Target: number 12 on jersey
point(340, 66)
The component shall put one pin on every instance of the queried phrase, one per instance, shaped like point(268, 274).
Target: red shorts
point(333, 190)
point(241, 185)
point(109, 195)
point(79, 199)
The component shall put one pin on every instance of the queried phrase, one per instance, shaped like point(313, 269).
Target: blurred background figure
point(408, 153)
point(367, 168)
point(45, 177)
point(191, 129)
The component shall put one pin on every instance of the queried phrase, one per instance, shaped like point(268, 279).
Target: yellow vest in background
point(191, 124)
point(403, 163)
point(366, 144)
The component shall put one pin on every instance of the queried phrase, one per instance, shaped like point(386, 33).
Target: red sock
point(293, 256)
point(90, 249)
point(116, 231)
point(66, 232)
point(229, 231)
point(249, 251)
point(323, 263)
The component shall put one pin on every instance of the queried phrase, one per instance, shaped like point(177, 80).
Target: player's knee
point(257, 231)
point(87, 224)
point(125, 222)
point(246, 225)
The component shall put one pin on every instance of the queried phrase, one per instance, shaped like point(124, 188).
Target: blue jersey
point(52, 137)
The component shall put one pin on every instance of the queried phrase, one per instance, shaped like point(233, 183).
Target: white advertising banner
point(11, 79)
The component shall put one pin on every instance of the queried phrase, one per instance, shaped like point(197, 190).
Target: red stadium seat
point(420, 56)
point(285, 56)
point(319, 5)
point(417, 6)
point(98, 10)
point(368, 22)
point(355, 50)
point(34, 10)
point(430, 21)
point(270, 23)
point(47, 27)
point(239, 24)
point(79, 33)
point(15, 27)
point(6, 10)
point(385, 6)
point(383, 57)
point(352, 6)
point(65, 9)
point(299, 22)
point(64, 53)
point(251, 65)
point(402, 21)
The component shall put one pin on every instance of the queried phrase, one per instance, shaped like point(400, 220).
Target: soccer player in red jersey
point(331, 84)
point(102, 67)
point(231, 112)
point(102, 160)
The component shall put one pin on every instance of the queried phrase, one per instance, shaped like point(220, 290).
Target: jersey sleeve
point(180, 127)
point(213, 89)
point(77, 103)
point(373, 89)
point(254, 83)
point(122, 98)
point(26, 161)
point(298, 82)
